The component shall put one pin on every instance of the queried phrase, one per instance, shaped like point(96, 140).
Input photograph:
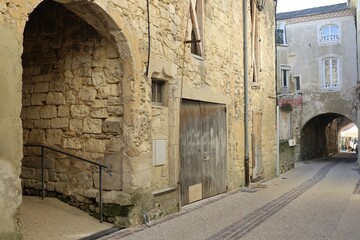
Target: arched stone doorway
point(77, 73)
point(320, 135)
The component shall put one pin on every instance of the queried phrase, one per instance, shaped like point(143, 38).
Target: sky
point(293, 5)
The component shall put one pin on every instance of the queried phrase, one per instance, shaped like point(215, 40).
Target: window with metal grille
point(285, 73)
point(329, 33)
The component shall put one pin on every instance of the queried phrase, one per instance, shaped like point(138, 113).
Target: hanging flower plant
point(286, 107)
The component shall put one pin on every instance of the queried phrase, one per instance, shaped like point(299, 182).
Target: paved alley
point(52, 219)
point(319, 199)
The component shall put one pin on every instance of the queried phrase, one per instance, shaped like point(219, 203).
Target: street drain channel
point(357, 189)
point(240, 228)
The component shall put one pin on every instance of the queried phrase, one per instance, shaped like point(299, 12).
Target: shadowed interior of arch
point(320, 136)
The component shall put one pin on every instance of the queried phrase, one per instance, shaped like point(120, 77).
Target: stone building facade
point(355, 4)
point(317, 79)
point(109, 81)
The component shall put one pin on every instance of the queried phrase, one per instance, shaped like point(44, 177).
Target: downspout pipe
point(277, 102)
point(246, 95)
point(149, 38)
point(277, 141)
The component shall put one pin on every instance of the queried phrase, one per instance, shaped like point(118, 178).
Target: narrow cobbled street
point(319, 199)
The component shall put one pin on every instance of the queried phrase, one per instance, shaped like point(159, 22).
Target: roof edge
point(313, 11)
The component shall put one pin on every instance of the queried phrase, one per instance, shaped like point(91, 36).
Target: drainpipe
point(149, 38)
point(277, 104)
point(246, 95)
point(277, 141)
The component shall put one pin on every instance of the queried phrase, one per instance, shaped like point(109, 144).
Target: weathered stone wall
point(219, 79)
point(263, 91)
point(160, 127)
point(10, 122)
point(287, 160)
point(84, 89)
point(71, 100)
point(286, 153)
point(356, 4)
point(313, 139)
point(332, 137)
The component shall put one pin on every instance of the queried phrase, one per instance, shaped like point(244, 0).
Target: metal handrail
point(101, 166)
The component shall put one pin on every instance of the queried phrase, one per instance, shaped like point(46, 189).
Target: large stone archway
point(109, 20)
point(80, 93)
point(72, 85)
point(319, 135)
point(109, 23)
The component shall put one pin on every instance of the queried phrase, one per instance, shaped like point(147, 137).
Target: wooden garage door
point(202, 150)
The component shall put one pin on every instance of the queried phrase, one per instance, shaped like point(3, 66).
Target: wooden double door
point(203, 142)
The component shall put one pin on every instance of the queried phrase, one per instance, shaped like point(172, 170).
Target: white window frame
point(285, 88)
point(331, 87)
point(333, 35)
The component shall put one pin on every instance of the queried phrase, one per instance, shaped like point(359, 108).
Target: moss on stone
point(112, 210)
point(122, 222)
point(10, 236)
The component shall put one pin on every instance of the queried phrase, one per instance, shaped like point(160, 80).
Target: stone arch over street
point(320, 134)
